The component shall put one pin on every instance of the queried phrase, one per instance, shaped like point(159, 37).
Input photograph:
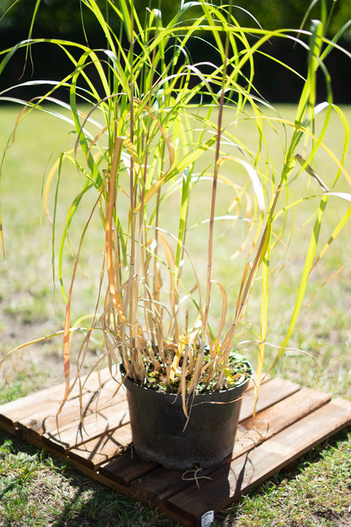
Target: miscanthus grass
point(37, 489)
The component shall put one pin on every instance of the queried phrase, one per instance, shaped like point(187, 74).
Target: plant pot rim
point(204, 395)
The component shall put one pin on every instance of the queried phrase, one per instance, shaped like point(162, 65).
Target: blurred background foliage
point(73, 21)
point(64, 18)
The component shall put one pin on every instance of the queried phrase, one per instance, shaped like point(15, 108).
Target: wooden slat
point(44, 421)
point(38, 443)
point(270, 393)
point(14, 411)
point(266, 424)
point(101, 449)
point(74, 434)
point(230, 482)
point(126, 468)
point(160, 484)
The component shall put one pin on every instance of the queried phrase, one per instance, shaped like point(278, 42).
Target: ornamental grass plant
point(152, 130)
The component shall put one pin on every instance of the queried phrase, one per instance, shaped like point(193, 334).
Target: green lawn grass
point(36, 489)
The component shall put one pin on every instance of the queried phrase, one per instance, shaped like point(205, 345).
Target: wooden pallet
point(290, 421)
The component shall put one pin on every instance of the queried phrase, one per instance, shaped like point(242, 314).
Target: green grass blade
point(309, 260)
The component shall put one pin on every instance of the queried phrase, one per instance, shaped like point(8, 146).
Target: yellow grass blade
point(109, 231)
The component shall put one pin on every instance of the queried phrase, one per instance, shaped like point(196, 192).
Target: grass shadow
point(55, 494)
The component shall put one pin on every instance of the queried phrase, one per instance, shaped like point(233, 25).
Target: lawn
point(37, 489)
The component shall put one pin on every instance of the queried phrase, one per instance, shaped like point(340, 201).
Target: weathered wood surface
point(103, 448)
point(48, 400)
point(248, 470)
point(290, 420)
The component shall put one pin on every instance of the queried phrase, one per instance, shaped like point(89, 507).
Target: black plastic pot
point(158, 421)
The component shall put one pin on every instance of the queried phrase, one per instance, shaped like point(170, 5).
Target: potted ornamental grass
point(153, 130)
